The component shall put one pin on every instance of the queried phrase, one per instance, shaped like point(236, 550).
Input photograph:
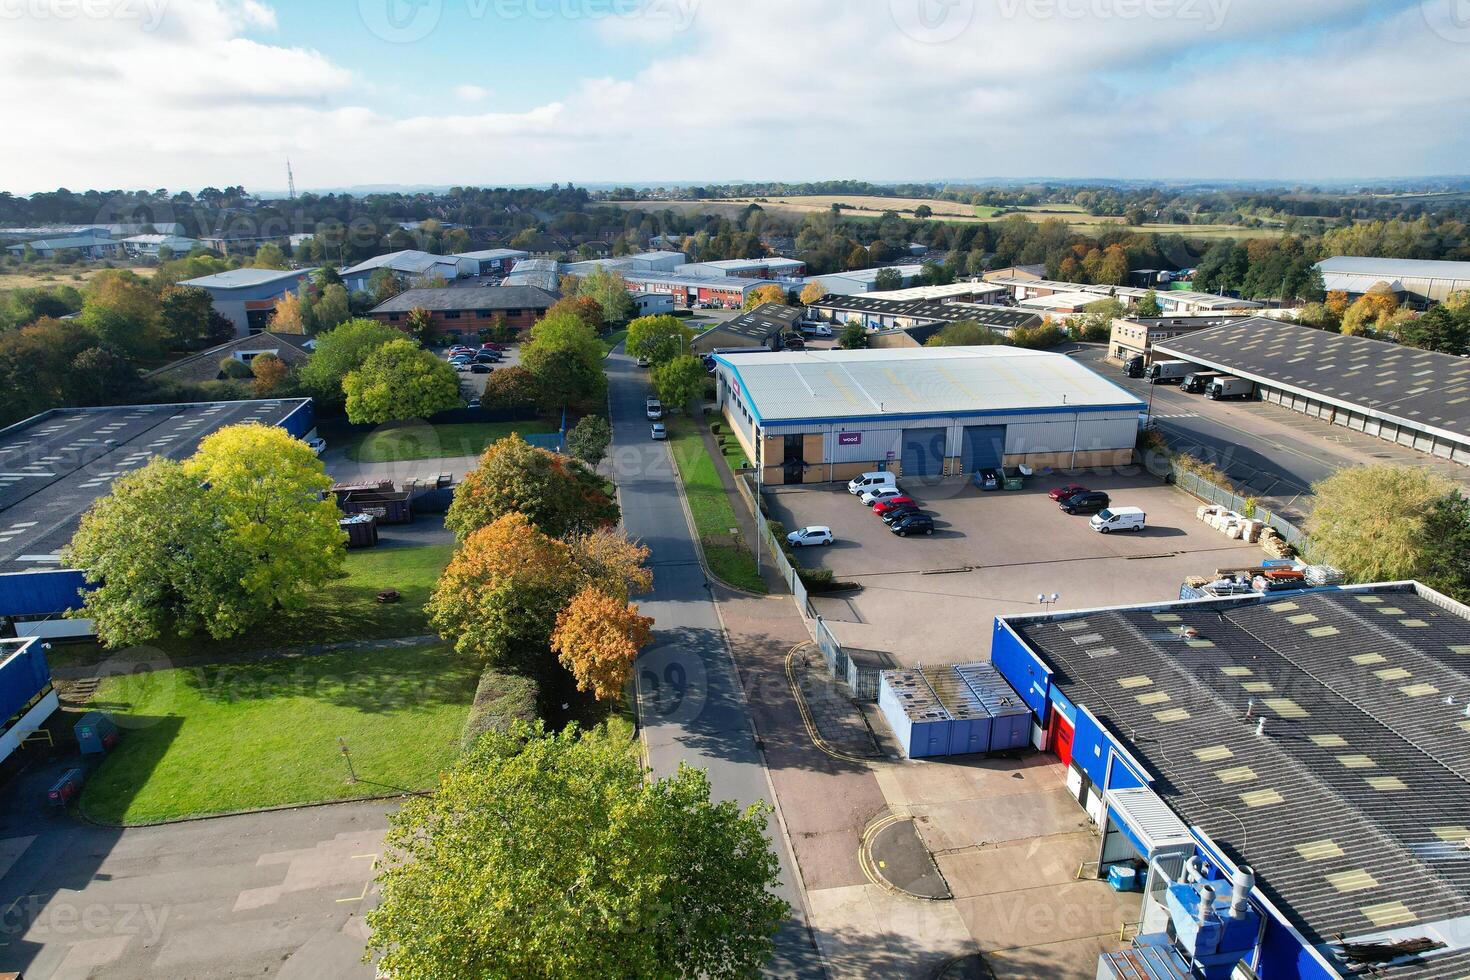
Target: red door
point(1061, 737)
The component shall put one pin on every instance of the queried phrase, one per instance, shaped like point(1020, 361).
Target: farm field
point(870, 207)
point(76, 276)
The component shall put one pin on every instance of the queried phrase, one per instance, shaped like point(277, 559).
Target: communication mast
point(290, 181)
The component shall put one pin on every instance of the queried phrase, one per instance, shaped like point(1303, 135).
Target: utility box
point(96, 733)
point(65, 789)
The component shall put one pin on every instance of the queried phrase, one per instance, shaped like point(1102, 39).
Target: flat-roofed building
point(1423, 281)
point(248, 297)
point(467, 311)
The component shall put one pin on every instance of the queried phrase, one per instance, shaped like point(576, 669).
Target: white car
point(813, 534)
point(871, 497)
point(659, 432)
point(318, 444)
point(643, 362)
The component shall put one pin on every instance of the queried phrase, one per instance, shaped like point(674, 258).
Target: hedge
point(500, 701)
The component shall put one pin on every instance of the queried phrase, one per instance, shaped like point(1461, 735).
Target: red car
point(1062, 493)
point(892, 503)
point(492, 346)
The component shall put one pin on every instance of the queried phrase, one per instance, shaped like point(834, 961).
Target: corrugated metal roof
point(789, 386)
point(1159, 828)
point(1359, 265)
point(240, 278)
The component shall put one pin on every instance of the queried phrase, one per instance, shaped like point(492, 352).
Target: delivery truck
point(1167, 372)
point(1196, 382)
point(1229, 387)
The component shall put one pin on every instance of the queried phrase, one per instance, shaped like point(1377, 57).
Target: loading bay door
point(923, 452)
point(982, 447)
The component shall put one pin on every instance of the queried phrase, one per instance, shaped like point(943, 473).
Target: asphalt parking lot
point(933, 599)
point(472, 385)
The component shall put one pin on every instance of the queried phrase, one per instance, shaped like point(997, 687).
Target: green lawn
point(219, 739)
point(614, 338)
point(728, 557)
point(424, 441)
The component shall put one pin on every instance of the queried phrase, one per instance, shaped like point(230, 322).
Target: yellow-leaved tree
point(597, 638)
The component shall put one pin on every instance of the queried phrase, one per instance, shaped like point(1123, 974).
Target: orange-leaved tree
point(597, 638)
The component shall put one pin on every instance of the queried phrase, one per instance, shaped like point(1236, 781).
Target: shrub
point(815, 579)
point(501, 700)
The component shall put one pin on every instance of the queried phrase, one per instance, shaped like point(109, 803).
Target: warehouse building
point(1135, 336)
point(772, 268)
point(763, 326)
point(54, 465)
point(1070, 297)
point(955, 292)
point(493, 261)
point(866, 280)
point(1404, 395)
point(637, 262)
point(876, 313)
point(818, 416)
point(247, 297)
point(467, 311)
point(729, 292)
point(1303, 755)
point(543, 274)
point(1421, 281)
point(410, 265)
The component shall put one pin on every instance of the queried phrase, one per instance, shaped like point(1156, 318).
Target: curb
point(806, 716)
point(694, 533)
point(85, 818)
point(870, 868)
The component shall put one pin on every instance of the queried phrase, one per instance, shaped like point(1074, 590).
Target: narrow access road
point(690, 700)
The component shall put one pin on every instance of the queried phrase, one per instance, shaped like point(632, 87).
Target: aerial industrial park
point(453, 525)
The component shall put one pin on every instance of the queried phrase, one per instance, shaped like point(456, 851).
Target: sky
point(181, 94)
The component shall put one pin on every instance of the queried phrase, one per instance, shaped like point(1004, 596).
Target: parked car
point(1111, 519)
point(489, 357)
point(867, 481)
point(794, 342)
point(913, 524)
point(902, 500)
point(899, 513)
point(1087, 502)
point(658, 431)
point(318, 444)
point(461, 365)
point(987, 479)
point(491, 345)
point(871, 497)
point(1066, 490)
point(815, 329)
point(810, 535)
point(480, 367)
point(655, 408)
point(473, 403)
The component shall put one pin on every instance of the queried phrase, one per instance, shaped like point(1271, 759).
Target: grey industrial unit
point(953, 710)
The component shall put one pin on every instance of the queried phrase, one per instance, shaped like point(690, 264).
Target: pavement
point(692, 705)
point(1273, 453)
point(279, 893)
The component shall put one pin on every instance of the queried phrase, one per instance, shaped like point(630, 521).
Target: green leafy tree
point(888, 278)
point(420, 324)
point(589, 439)
point(565, 358)
point(270, 256)
point(679, 381)
point(556, 493)
point(658, 338)
point(383, 285)
point(214, 544)
point(333, 307)
point(1149, 304)
point(122, 311)
point(188, 320)
point(923, 211)
point(400, 380)
point(964, 333)
point(557, 855)
point(1385, 523)
point(610, 292)
point(340, 351)
point(854, 336)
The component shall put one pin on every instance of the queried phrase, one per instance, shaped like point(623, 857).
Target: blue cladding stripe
point(1090, 747)
point(1066, 708)
point(301, 420)
point(21, 679)
point(1021, 668)
point(937, 415)
point(41, 593)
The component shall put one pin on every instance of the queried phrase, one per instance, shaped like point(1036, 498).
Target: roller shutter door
point(923, 452)
point(982, 447)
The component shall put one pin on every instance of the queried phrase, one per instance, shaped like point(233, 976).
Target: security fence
point(1197, 485)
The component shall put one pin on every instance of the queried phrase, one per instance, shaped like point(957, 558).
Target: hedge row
point(500, 701)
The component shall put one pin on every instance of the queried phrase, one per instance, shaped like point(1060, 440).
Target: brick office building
point(467, 310)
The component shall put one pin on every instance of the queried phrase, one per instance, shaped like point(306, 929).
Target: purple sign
point(849, 438)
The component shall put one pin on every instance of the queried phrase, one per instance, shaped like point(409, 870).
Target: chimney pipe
point(1241, 882)
point(1206, 903)
point(1261, 725)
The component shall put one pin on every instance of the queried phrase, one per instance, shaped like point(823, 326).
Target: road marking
point(370, 882)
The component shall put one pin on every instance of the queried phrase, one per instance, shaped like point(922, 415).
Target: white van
point(870, 481)
point(1111, 519)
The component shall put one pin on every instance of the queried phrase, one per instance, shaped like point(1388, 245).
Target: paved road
point(691, 702)
point(1271, 452)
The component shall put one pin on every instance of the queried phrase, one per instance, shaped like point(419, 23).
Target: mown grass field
point(728, 556)
point(234, 737)
point(424, 441)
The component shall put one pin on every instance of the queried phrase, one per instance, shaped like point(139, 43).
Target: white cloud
point(761, 88)
point(471, 93)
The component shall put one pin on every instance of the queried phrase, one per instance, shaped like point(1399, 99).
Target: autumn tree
point(584, 308)
point(419, 323)
point(658, 338)
point(399, 380)
point(597, 638)
point(769, 293)
point(679, 381)
point(122, 312)
point(812, 292)
point(213, 544)
point(556, 493)
point(332, 308)
point(610, 292)
point(269, 373)
point(558, 855)
point(292, 315)
point(510, 388)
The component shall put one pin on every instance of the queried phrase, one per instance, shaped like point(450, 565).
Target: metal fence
point(1212, 493)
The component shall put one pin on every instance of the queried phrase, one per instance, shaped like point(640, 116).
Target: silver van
point(864, 482)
